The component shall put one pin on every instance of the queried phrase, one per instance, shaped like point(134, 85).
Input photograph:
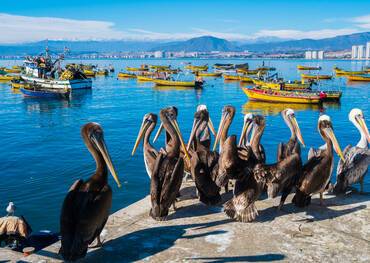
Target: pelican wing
point(156, 185)
point(348, 153)
point(280, 152)
point(172, 183)
point(83, 217)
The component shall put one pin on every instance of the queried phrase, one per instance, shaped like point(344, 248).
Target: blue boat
point(46, 93)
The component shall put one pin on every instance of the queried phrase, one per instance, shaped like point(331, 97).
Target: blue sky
point(22, 21)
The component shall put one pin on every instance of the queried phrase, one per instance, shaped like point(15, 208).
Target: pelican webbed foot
point(99, 243)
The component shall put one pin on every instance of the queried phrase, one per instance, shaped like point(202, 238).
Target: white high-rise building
point(360, 52)
point(354, 52)
point(320, 54)
point(158, 54)
point(367, 56)
point(314, 55)
point(308, 55)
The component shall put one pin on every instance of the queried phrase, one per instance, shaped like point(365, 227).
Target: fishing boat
point(223, 66)
point(301, 67)
point(12, 70)
point(282, 85)
point(102, 72)
point(316, 77)
point(89, 73)
point(270, 95)
point(18, 83)
point(196, 68)
point(159, 67)
point(251, 71)
point(142, 68)
point(341, 72)
point(209, 74)
point(6, 78)
point(358, 78)
point(45, 93)
point(246, 79)
point(126, 75)
point(231, 77)
point(143, 78)
point(264, 68)
point(162, 82)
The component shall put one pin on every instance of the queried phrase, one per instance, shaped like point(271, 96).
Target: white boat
point(59, 84)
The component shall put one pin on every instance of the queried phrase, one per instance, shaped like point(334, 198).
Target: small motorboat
point(126, 75)
point(102, 72)
point(282, 85)
point(162, 82)
point(196, 68)
point(231, 77)
point(246, 79)
point(341, 72)
point(144, 78)
point(316, 77)
point(301, 67)
point(142, 68)
point(89, 73)
point(365, 78)
point(6, 78)
point(209, 74)
point(223, 66)
point(38, 92)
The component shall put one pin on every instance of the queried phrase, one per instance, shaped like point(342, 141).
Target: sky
point(28, 21)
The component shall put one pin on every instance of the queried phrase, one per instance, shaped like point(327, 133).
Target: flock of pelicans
point(86, 207)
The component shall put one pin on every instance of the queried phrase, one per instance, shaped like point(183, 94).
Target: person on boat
point(198, 80)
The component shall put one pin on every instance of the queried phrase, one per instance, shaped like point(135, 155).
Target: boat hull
point(358, 78)
point(161, 82)
point(44, 94)
point(59, 84)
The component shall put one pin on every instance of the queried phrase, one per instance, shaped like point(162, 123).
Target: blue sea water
point(42, 153)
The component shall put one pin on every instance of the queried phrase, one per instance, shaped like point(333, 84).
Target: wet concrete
point(336, 232)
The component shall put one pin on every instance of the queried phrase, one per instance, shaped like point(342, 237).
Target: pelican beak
point(158, 133)
point(297, 130)
point(220, 129)
point(330, 133)
point(177, 128)
point(192, 134)
point(99, 142)
point(211, 127)
point(245, 131)
point(360, 120)
point(142, 130)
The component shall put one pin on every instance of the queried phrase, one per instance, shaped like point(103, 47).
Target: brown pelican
point(317, 171)
point(168, 168)
point(356, 159)
point(150, 153)
point(249, 185)
point(286, 172)
point(204, 163)
point(86, 207)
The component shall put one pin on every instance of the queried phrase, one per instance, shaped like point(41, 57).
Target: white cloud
point(362, 21)
point(313, 34)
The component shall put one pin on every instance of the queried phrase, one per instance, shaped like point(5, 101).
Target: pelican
point(86, 207)
point(356, 159)
point(317, 171)
point(285, 173)
point(248, 186)
point(168, 168)
point(204, 163)
point(150, 153)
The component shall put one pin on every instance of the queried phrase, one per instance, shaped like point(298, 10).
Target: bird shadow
point(317, 212)
point(254, 258)
point(147, 242)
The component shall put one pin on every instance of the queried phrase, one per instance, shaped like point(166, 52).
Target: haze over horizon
point(242, 21)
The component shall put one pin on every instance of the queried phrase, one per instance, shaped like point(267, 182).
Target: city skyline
point(167, 21)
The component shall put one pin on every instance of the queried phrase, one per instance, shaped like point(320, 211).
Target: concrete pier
point(336, 232)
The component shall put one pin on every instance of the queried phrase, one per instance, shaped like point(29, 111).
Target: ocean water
point(42, 152)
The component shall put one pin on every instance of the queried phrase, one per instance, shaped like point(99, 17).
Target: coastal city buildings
point(314, 54)
point(361, 51)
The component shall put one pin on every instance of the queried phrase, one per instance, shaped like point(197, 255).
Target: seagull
point(10, 209)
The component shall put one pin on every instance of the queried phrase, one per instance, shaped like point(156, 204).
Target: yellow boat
point(283, 85)
point(17, 85)
point(301, 67)
point(17, 67)
point(307, 76)
point(251, 71)
point(231, 77)
point(270, 109)
point(341, 72)
point(263, 68)
point(144, 78)
point(358, 78)
point(209, 74)
point(137, 69)
point(162, 82)
point(12, 70)
point(126, 75)
point(89, 73)
point(5, 78)
point(269, 95)
point(102, 73)
point(159, 67)
point(196, 68)
point(246, 79)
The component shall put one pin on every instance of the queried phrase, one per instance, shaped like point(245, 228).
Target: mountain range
point(199, 44)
